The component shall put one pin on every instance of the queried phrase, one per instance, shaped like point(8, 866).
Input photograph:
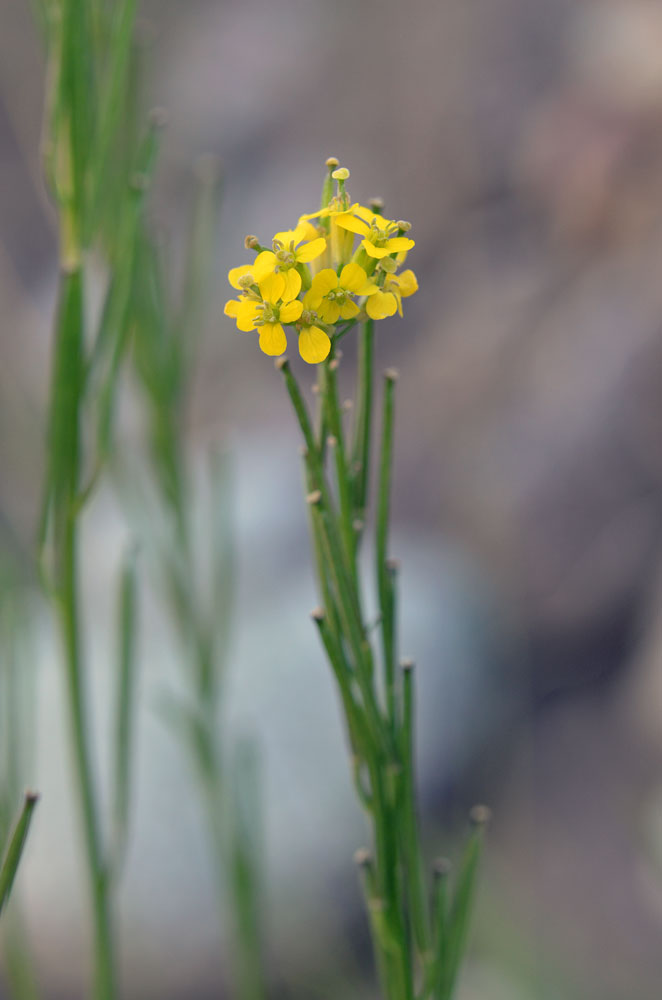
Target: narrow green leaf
point(14, 851)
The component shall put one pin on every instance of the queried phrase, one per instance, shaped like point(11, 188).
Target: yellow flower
point(380, 237)
point(388, 300)
point(276, 270)
point(253, 313)
point(331, 296)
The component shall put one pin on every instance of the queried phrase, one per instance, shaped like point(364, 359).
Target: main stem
point(104, 972)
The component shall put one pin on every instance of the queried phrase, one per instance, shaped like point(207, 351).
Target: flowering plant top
point(316, 281)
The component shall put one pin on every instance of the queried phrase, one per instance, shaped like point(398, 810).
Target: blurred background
point(523, 140)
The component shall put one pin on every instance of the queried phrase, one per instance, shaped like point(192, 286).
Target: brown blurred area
point(523, 140)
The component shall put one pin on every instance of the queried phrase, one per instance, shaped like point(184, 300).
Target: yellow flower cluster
point(313, 278)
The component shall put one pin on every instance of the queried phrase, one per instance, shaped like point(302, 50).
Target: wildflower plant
point(315, 281)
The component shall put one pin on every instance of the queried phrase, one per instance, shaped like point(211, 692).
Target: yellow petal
point(309, 251)
point(374, 251)
point(290, 311)
point(264, 264)
point(399, 243)
point(348, 221)
point(292, 284)
point(328, 311)
point(348, 310)
point(272, 286)
point(231, 308)
point(407, 283)
point(322, 213)
point(305, 232)
point(272, 339)
point(381, 305)
point(238, 272)
point(324, 281)
point(311, 300)
point(246, 315)
point(353, 277)
point(369, 216)
point(314, 345)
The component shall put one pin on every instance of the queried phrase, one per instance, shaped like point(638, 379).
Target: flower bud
point(252, 243)
point(341, 174)
point(332, 163)
point(404, 227)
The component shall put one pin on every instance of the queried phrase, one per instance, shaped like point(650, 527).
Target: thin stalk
point(63, 479)
point(363, 426)
point(409, 819)
point(104, 966)
point(385, 586)
point(334, 421)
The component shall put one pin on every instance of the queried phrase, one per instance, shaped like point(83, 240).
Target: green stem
point(334, 421)
point(363, 426)
point(105, 983)
point(385, 587)
point(409, 819)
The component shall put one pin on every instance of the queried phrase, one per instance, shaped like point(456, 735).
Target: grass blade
point(12, 857)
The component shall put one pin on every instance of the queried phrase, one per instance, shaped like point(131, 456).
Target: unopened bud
point(252, 243)
point(314, 497)
point(246, 281)
point(407, 664)
point(403, 226)
point(376, 205)
point(332, 163)
point(392, 374)
point(332, 441)
point(333, 364)
point(281, 363)
point(317, 614)
point(341, 174)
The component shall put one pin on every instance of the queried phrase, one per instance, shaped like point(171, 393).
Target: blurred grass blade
point(246, 869)
point(125, 704)
point(201, 257)
point(461, 907)
point(15, 850)
point(66, 388)
point(113, 97)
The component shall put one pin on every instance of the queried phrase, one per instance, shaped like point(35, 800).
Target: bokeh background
point(523, 140)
